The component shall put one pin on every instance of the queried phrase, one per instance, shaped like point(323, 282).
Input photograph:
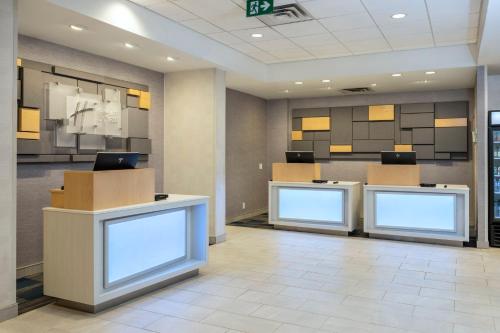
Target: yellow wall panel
point(380, 112)
point(451, 122)
point(296, 135)
point(145, 100)
point(29, 120)
point(28, 135)
point(403, 148)
point(316, 124)
point(133, 92)
point(341, 149)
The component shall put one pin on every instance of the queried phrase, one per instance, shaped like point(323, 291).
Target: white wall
point(195, 107)
point(8, 86)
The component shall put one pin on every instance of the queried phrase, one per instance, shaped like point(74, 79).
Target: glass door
point(495, 171)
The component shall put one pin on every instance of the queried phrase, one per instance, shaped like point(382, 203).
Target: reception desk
point(316, 207)
point(437, 213)
point(97, 259)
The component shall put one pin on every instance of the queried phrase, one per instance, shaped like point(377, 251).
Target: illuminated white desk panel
point(95, 259)
point(440, 213)
point(311, 206)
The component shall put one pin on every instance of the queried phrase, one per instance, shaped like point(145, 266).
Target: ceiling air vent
point(285, 14)
point(361, 90)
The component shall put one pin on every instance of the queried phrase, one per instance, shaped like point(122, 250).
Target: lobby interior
point(209, 96)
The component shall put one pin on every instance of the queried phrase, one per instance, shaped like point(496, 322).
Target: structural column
point(8, 125)
point(195, 140)
point(481, 162)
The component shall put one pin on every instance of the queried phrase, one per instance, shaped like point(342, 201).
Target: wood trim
point(57, 198)
point(145, 100)
point(403, 175)
point(29, 120)
point(28, 135)
point(403, 148)
point(134, 92)
point(450, 122)
point(341, 149)
point(297, 135)
point(296, 172)
point(380, 112)
point(316, 124)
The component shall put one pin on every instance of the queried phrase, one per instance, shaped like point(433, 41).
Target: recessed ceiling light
point(129, 46)
point(396, 74)
point(326, 81)
point(76, 27)
point(430, 73)
point(286, 91)
point(373, 84)
point(170, 59)
point(257, 35)
point(299, 83)
point(398, 16)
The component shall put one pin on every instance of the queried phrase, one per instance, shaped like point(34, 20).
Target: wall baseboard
point(483, 245)
point(247, 215)
point(217, 239)
point(8, 312)
point(32, 269)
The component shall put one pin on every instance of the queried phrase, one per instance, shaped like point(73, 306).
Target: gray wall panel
point(308, 136)
point(28, 147)
point(132, 101)
point(451, 139)
point(451, 110)
point(442, 156)
point(297, 124)
point(381, 130)
point(360, 130)
point(313, 112)
point(341, 125)
point(397, 127)
point(371, 146)
point(406, 137)
point(302, 145)
point(142, 146)
point(417, 108)
point(424, 152)
point(32, 88)
point(321, 149)
point(116, 144)
point(88, 87)
point(123, 92)
point(136, 121)
point(413, 120)
point(423, 136)
point(360, 113)
point(322, 136)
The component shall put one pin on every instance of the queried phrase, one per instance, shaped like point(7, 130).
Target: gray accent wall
point(34, 181)
point(245, 149)
point(451, 172)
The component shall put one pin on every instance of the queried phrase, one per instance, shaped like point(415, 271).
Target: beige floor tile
point(130, 316)
point(426, 302)
point(239, 306)
point(176, 325)
point(309, 294)
point(178, 295)
point(181, 310)
point(472, 320)
point(467, 329)
point(342, 325)
point(271, 299)
point(290, 316)
point(242, 323)
point(480, 309)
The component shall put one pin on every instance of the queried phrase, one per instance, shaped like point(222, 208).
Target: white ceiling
point(339, 28)
point(110, 23)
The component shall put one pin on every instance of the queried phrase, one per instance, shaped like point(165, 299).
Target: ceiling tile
point(407, 28)
point(291, 54)
point(329, 8)
point(225, 37)
point(348, 22)
point(456, 36)
point(208, 8)
point(245, 48)
point(275, 44)
point(315, 40)
point(201, 26)
point(445, 6)
point(263, 56)
point(171, 11)
point(358, 34)
point(147, 3)
point(246, 35)
point(456, 21)
point(410, 41)
point(328, 50)
point(390, 7)
point(300, 29)
point(368, 46)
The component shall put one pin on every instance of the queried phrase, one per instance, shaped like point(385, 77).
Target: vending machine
point(494, 178)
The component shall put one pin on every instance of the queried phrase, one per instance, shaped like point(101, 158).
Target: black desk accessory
point(161, 196)
point(394, 157)
point(320, 181)
point(299, 156)
point(428, 185)
point(115, 161)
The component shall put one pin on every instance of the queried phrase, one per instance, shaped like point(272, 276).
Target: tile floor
point(262, 281)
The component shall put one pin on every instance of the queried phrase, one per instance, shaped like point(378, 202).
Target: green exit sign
point(259, 7)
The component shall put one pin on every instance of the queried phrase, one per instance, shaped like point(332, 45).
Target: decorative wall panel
point(434, 130)
point(73, 112)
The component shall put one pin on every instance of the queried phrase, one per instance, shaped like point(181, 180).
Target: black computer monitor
point(299, 156)
point(115, 161)
point(394, 157)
